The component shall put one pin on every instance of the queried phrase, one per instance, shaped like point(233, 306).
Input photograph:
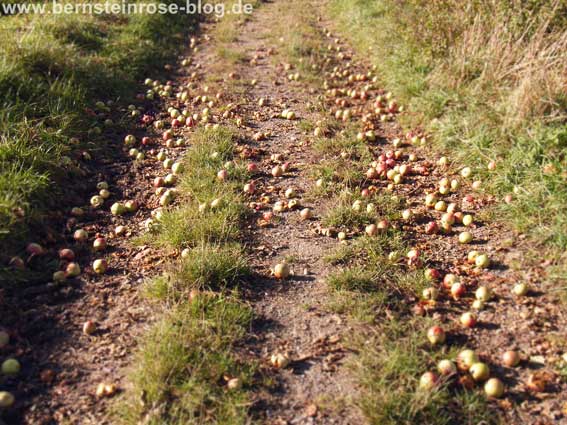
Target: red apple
point(436, 335)
point(468, 320)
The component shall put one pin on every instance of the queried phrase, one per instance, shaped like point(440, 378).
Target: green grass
point(340, 212)
point(389, 366)
point(487, 83)
point(182, 364)
point(392, 350)
point(180, 371)
point(52, 68)
point(185, 225)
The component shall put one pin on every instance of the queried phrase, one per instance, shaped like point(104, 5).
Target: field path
point(296, 317)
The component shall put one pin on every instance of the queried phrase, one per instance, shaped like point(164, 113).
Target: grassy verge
point(186, 370)
point(487, 81)
point(53, 71)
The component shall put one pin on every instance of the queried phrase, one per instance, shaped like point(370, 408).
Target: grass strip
point(186, 369)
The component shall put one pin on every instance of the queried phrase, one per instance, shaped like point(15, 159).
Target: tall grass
point(487, 79)
point(52, 68)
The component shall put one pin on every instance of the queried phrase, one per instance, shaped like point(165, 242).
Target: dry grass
point(524, 70)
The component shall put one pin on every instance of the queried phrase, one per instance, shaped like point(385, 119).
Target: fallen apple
point(281, 270)
point(482, 293)
point(4, 339)
point(35, 249)
point(494, 388)
point(11, 367)
point(472, 255)
point(305, 214)
point(117, 209)
point(59, 276)
point(66, 254)
point(279, 360)
point(167, 163)
point(432, 228)
point(394, 256)
point(289, 193)
point(428, 381)
point(430, 293)
point(482, 261)
point(277, 171)
point(371, 230)
point(80, 235)
point(432, 274)
point(448, 218)
point(170, 179)
point(478, 305)
point(458, 290)
point(466, 358)
point(520, 289)
point(97, 201)
point(446, 367)
point(465, 237)
point(234, 384)
point(440, 206)
point(436, 335)
point(177, 168)
point(6, 399)
point(479, 371)
point(72, 270)
point(511, 358)
point(77, 212)
point(89, 327)
point(468, 320)
point(129, 140)
point(131, 206)
point(466, 172)
point(430, 200)
point(100, 266)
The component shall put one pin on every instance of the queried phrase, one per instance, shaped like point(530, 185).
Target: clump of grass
point(353, 279)
point(213, 268)
point(341, 171)
point(180, 370)
point(344, 142)
point(340, 212)
point(389, 366)
point(342, 215)
point(186, 225)
point(205, 268)
point(393, 351)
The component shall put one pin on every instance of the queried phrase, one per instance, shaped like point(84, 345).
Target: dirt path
point(292, 316)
